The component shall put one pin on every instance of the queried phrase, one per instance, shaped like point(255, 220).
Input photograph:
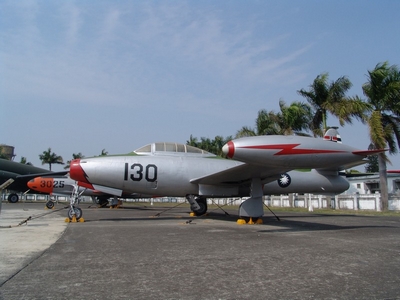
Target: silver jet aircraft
point(258, 166)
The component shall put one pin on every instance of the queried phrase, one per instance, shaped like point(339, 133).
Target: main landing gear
point(13, 198)
point(101, 201)
point(252, 207)
point(198, 204)
point(50, 204)
point(250, 211)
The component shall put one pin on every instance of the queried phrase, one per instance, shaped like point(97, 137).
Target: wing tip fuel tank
point(293, 152)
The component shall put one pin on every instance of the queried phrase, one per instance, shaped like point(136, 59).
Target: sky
point(83, 76)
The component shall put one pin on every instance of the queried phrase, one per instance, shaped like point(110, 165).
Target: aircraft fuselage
point(173, 176)
point(154, 175)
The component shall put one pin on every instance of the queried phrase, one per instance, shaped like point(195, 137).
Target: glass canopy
point(163, 148)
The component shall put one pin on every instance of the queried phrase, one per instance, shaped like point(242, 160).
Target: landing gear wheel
point(13, 198)
point(202, 202)
point(49, 204)
point(102, 202)
point(77, 211)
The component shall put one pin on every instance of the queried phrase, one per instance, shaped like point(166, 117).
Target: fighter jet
point(21, 174)
point(64, 185)
point(257, 166)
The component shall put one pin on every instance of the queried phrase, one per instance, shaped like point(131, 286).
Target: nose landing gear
point(74, 212)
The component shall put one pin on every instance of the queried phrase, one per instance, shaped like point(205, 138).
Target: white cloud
point(143, 54)
point(73, 20)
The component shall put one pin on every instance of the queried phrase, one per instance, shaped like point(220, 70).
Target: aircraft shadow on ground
point(182, 215)
point(298, 226)
point(290, 222)
point(286, 223)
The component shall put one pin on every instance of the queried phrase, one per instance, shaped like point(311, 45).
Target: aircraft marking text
point(54, 184)
point(149, 172)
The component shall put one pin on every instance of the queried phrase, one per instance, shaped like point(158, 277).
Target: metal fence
point(310, 201)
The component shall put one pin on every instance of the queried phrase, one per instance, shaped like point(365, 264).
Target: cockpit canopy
point(163, 148)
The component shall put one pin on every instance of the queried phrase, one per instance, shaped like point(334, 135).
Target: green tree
point(193, 141)
point(213, 146)
point(372, 165)
point(50, 158)
point(383, 97)
point(267, 122)
point(331, 98)
point(295, 118)
point(24, 161)
point(74, 156)
point(292, 119)
point(104, 152)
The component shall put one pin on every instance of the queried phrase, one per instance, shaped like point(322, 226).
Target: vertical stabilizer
point(332, 135)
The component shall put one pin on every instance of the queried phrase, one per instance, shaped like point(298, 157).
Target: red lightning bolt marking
point(289, 149)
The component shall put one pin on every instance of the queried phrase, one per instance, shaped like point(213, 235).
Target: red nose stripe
point(76, 172)
point(231, 149)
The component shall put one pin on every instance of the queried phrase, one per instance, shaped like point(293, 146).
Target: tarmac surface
point(131, 254)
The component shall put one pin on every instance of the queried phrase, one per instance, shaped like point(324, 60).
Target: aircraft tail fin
point(332, 135)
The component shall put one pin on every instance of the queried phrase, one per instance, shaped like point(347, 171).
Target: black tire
point(202, 202)
point(78, 213)
point(103, 201)
point(49, 204)
point(13, 198)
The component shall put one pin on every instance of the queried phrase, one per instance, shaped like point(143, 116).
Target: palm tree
point(24, 161)
point(327, 98)
point(218, 143)
point(291, 119)
point(50, 158)
point(74, 156)
point(104, 152)
point(295, 118)
point(383, 96)
point(213, 146)
point(193, 141)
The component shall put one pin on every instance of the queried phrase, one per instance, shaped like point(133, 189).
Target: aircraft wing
point(30, 176)
point(241, 174)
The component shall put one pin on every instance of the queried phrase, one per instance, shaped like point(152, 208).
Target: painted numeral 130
point(138, 171)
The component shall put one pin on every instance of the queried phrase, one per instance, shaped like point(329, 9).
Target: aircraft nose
point(229, 149)
point(41, 184)
point(76, 171)
point(32, 184)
